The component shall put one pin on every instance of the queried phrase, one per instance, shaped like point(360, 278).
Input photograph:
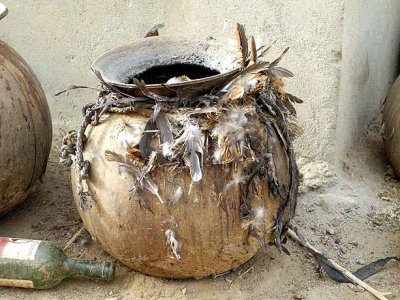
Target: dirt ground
point(353, 216)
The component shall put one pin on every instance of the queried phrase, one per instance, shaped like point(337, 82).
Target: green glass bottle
point(42, 265)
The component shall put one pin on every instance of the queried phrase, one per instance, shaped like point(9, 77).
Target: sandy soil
point(353, 217)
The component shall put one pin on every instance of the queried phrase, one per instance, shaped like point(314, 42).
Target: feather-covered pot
point(25, 128)
point(184, 235)
point(391, 126)
point(186, 185)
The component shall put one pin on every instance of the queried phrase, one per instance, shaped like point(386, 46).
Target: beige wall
point(59, 38)
point(371, 40)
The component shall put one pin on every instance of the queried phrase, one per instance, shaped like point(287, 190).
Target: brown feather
point(265, 51)
point(293, 98)
point(253, 50)
point(276, 61)
point(242, 43)
point(237, 91)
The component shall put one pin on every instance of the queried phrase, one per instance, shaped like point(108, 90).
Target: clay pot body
point(391, 123)
point(211, 236)
point(25, 129)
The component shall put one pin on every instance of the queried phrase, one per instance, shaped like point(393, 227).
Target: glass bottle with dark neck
point(42, 265)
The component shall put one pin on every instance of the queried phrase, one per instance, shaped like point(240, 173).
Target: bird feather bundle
point(230, 132)
point(143, 181)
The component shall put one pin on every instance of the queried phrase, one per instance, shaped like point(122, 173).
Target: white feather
point(176, 196)
point(192, 139)
point(127, 139)
point(259, 213)
point(173, 243)
point(237, 179)
point(167, 150)
point(95, 156)
point(217, 155)
point(237, 116)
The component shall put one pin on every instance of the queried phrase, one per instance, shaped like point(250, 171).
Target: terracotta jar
point(190, 228)
point(391, 126)
point(25, 129)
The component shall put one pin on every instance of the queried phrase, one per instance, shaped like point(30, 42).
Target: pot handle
point(3, 11)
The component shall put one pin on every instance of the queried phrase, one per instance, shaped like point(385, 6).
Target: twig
point(75, 236)
point(240, 276)
point(59, 226)
point(339, 268)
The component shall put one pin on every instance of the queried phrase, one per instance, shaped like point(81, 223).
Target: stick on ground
point(339, 268)
point(74, 237)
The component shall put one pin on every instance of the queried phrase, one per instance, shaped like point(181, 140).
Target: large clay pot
point(211, 235)
point(391, 123)
point(25, 129)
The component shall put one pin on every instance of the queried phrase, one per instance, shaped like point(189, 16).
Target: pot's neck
point(3, 11)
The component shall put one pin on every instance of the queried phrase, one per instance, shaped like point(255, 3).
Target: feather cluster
point(214, 128)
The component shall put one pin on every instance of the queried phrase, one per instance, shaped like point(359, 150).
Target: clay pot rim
point(106, 62)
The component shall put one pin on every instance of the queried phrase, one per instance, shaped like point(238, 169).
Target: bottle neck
point(85, 268)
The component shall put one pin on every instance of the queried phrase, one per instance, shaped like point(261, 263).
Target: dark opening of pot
point(161, 74)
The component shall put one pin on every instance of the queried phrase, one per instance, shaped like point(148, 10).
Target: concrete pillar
point(370, 47)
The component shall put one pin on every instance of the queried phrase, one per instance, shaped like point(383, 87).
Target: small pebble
point(354, 243)
point(84, 241)
point(337, 241)
point(348, 209)
point(300, 296)
point(184, 291)
point(361, 262)
point(330, 231)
